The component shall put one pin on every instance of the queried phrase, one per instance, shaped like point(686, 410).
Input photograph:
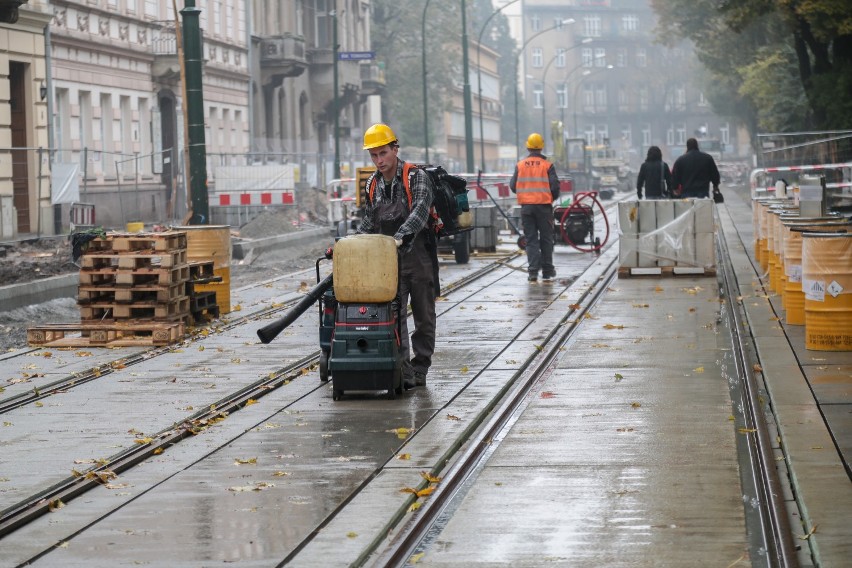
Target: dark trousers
point(538, 230)
point(417, 287)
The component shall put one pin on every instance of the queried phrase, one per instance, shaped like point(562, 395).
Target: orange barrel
point(773, 244)
point(827, 282)
point(762, 209)
point(793, 227)
point(212, 242)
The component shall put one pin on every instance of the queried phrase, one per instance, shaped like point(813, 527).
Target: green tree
point(396, 37)
point(499, 38)
point(772, 38)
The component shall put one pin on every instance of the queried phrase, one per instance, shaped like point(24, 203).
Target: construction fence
point(56, 190)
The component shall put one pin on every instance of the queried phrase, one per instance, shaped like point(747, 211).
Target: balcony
point(283, 56)
point(164, 48)
point(9, 10)
point(372, 78)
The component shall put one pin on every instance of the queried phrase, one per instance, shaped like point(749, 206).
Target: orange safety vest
point(533, 184)
point(437, 224)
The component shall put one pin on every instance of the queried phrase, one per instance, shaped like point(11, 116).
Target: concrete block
point(628, 218)
point(484, 216)
point(665, 243)
point(705, 250)
point(704, 222)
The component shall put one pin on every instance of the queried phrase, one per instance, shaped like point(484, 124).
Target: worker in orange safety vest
point(537, 187)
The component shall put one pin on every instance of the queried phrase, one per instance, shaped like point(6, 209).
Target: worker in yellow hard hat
point(397, 203)
point(537, 187)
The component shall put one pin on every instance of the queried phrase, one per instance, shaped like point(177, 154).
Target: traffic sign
point(356, 55)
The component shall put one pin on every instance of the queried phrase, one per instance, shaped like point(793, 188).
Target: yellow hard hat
point(378, 135)
point(535, 141)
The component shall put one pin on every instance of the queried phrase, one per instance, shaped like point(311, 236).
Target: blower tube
point(269, 332)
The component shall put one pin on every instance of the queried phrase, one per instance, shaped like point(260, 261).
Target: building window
point(600, 97)
point(151, 8)
point(681, 134)
point(535, 23)
point(621, 57)
point(600, 57)
point(629, 23)
point(602, 133)
point(670, 139)
point(85, 98)
point(537, 57)
point(131, 6)
point(641, 57)
point(538, 95)
point(560, 57)
point(562, 96)
point(590, 135)
point(702, 100)
point(558, 24)
point(587, 56)
point(680, 97)
point(627, 135)
point(589, 98)
point(623, 100)
point(643, 98)
point(725, 134)
point(646, 134)
point(107, 135)
point(592, 26)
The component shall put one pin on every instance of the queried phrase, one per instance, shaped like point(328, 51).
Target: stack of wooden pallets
point(133, 291)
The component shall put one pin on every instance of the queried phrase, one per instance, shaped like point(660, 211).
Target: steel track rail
point(40, 503)
point(775, 526)
point(511, 401)
point(66, 383)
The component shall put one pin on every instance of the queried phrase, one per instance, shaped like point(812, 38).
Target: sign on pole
point(356, 55)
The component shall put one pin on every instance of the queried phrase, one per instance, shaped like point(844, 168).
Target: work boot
point(533, 277)
point(419, 378)
point(549, 277)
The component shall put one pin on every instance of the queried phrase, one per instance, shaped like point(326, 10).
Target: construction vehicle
point(570, 158)
point(611, 171)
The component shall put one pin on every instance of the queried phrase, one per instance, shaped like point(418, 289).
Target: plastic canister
point(365, 269)
point(827, 282)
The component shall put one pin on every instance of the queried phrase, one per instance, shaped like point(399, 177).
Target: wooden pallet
point(134, 277)
point(200, 270)
point(203, 306)
point(106, 334)
point(133, 260)
point(151, 310)
point(129, 294)
point(665, 271)
point(125, 242)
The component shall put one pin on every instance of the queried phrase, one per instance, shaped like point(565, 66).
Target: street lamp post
point(336, 50)
point(517, 65)
point(479, 80)
point(425, 95)
point(468, 118)
point(544, 80)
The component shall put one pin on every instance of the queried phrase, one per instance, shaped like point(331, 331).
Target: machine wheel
point(522, 242)
point(336, 394)
point(323, 366)
point(461, 248)
point(598, 245)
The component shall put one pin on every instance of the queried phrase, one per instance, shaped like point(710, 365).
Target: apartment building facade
point(594, 65)
point(97, 92)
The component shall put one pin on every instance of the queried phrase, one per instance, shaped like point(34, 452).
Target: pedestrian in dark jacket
point(655, 176)
point(694, 171)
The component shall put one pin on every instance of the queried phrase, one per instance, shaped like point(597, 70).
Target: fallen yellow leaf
point(249, 461)
point(403, 457)
point(429, 477)
point(612, 326)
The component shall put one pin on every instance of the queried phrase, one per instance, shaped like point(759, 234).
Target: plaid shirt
point(421, 201)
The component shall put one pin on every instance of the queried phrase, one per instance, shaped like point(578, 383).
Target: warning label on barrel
point(835, 289)
point(794, 272)
point(814, 290)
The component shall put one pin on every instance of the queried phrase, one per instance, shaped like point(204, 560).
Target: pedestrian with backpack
point(537, 187)
point(398, 203)
point(655, 175)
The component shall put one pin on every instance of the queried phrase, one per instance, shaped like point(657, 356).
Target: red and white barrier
point(259, 198)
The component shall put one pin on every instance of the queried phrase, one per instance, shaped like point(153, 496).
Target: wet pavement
point(625, 455)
